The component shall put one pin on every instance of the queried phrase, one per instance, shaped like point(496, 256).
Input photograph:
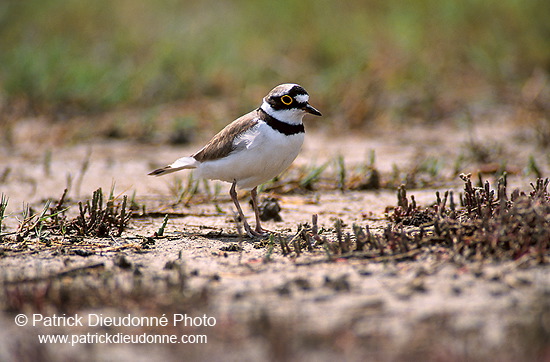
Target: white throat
point(290, 116)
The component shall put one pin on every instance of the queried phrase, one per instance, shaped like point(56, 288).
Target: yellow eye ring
point(286, 99)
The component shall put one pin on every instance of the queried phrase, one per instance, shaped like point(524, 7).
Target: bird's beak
point(309, 109)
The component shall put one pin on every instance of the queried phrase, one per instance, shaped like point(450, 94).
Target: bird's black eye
point(286, 99)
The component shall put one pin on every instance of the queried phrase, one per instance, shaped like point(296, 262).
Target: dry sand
point(291, 307)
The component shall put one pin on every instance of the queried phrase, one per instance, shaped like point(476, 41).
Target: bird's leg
point(247, 227)
point(254, 197)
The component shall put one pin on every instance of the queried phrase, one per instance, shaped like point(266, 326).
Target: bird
point(254, 148)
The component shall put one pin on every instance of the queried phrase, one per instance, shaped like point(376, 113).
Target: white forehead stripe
point(302, 98)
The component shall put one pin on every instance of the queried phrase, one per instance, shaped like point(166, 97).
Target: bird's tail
point(180, 164)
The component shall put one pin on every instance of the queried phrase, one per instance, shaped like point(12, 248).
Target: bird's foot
point(263, 232)
point(259, 232)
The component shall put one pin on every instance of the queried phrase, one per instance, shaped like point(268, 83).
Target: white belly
point(267, 154)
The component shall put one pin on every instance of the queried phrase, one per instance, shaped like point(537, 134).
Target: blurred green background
point(360, 60)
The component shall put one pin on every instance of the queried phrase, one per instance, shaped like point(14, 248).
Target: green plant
point(3, 206)
point(160, 231)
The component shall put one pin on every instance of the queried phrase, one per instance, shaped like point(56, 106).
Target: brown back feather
point(222, 143)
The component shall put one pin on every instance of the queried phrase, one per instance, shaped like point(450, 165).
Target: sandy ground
point(290, 307)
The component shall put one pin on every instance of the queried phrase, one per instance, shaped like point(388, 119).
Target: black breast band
point(283, 127)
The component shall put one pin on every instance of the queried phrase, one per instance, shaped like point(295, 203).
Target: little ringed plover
point(254, 148)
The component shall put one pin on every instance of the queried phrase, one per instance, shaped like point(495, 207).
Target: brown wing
point(222, 143)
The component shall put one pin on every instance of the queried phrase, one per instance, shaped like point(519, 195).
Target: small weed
point(408, 213)
point(212, 196)
point(432, 166)
point(533, 167)
point(97, 219)
point(134, 205)
point(36, 223)
point(312, 176)
point(490, 224)
point(160, 231)
point(83, 169)
point(368, 176)
point(185, 193)
point(341, 173)
point(3, 206)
